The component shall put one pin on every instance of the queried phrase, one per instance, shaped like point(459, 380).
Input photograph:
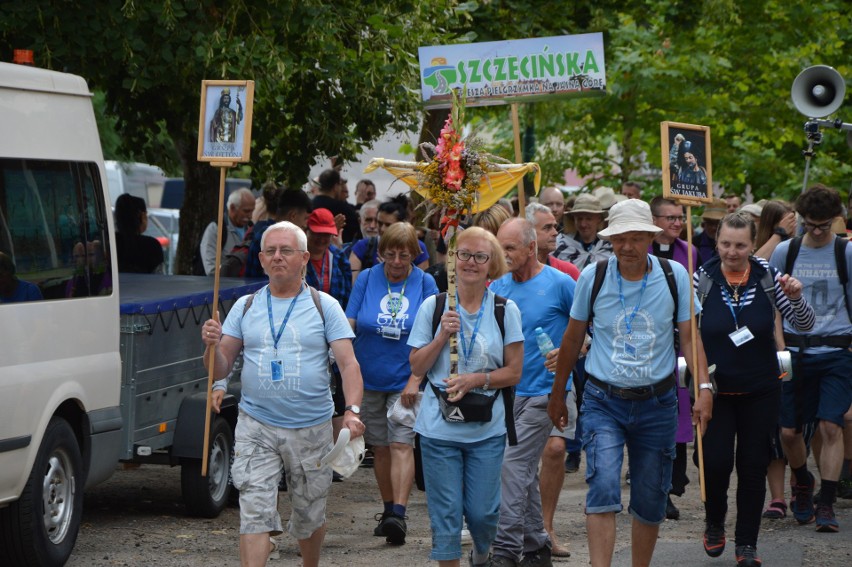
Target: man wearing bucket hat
point(629, 396)
point(706, 241)
point(584, 247)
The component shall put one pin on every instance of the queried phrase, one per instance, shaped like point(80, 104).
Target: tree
point(330, 76)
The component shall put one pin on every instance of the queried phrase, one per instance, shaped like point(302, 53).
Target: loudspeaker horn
point(818, 91)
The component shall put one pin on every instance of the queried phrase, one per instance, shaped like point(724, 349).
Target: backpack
point(234, 262)
point(197, 262)
point(705, 283)
point(839, 259)
point(508, 392)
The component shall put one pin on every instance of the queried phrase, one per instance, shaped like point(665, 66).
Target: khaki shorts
point(260, 453)
point(571, 428)
point(380, 431)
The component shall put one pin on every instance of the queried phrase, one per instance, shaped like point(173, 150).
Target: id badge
point(277, 367)
point(392, 333)
point(630, 350)
point(741, 336)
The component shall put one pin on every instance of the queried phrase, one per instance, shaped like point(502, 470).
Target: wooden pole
point(694, 347)
point(223, 171)
point(516, 129)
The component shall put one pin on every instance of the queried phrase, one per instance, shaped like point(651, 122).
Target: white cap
point(632, 215)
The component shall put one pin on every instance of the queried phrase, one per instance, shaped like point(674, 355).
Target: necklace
point(736, 287)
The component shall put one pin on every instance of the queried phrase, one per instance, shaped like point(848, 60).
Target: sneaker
point(802, 502)
point(627, 477)
point(367, 461)
point(380, 518)
point(472, 564)
point(672, 512)
point(714, 539)
point(394, 529)
point(825, 520)
point(572, 462)
point(466, 538)
point(500, 561)
point(274, 552)
point(776, 510)
point(336, 476)
point(747, 556)
point(844, 488)
point(537, 558)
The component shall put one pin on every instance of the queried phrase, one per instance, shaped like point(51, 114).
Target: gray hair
point(528, 235)
point(533, 208)
point(236, 197)
point(374, 204)
point(286, 226)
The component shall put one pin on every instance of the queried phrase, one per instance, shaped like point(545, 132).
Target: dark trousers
point(747, 422)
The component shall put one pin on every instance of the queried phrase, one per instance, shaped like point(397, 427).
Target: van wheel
point(207, 497)
point(41, 527)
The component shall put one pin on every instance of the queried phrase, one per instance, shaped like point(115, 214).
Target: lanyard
point(395, 303)
point(467, 350)
point(727, 297)
point(321, 282)
point(629, 320)
point(277, 336)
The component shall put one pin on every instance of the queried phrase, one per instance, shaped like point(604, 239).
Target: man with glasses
point(669, 216)
point(546, 295)
point(284, 424)
point(821, 388)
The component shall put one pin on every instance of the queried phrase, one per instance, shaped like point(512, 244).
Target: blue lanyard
point(727, 299)
point(395, 303)
point(321, 282)
point(467, 350)
point(277, 336)
point(629, 320)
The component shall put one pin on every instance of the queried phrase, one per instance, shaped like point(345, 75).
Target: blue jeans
point(648, 429)
point(821, 389)
point(462, 479)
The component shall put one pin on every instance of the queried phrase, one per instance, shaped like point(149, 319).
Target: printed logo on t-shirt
point(389, 304)
point(632, 355)
point(287, 378)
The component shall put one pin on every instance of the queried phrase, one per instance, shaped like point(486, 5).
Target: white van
point(59, 333)
point(138, 179)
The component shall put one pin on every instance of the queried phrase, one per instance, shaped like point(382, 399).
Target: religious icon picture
point(224, 128)
point(686, 162)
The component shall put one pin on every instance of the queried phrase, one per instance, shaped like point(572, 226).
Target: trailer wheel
point(41, 527)
point(207, 497)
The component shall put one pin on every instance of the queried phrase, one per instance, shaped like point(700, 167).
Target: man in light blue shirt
point(629, 398)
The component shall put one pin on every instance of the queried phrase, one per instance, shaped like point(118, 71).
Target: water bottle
point(545, 345)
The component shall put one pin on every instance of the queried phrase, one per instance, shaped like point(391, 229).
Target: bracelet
point(487, 381)
point(781, 232)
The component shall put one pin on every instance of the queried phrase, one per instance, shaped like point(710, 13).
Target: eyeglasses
point(478, 258)
point(822, 227)
point(672, 218)
point(401, 256)
point(270, 252)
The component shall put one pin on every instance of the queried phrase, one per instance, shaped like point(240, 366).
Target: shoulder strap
point(767, 284)
point(500, 313)
point(705, 283)
point(318, 302)
point(792, 253)
point(249, 301)
point(670, 281)
point(842, 273)
point(440, 300)
point(600, 273)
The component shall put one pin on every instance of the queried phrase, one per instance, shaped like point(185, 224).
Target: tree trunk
point(200, 201)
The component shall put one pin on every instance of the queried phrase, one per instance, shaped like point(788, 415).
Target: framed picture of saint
point(687, 173)
point(224, 127)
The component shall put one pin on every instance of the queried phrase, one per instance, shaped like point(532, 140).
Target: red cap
point(321, 221)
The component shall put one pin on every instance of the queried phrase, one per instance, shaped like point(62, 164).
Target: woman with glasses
point(737, 325)
point(381, 310)
point(462, 460)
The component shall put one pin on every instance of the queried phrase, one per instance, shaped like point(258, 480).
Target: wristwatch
point(354, 409)
point(781, 232)
point(707, 386)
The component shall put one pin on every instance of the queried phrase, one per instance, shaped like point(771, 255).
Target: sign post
point(224, 139)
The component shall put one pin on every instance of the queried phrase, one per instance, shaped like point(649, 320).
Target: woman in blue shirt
point(462, 460)
point(381, 310)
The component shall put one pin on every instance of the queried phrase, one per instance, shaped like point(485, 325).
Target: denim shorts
point(380, 431)
point(821, 389)
point(648, 429)
point(260, 452)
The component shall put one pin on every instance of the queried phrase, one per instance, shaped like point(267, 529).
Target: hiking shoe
point(825, 520)
point(714, 539)
point(572, 462)
point(466, 538)
point(672, 512)
point(844, 488)
point(501, 561)
point(776, 510)
point(380, 518)
point(538, 558)
point(747, 556)
point(394, 529)
point(472, 564)
point(802, 502)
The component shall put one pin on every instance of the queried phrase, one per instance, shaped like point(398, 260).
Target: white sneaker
point(465, 536)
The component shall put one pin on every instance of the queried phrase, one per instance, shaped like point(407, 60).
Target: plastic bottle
point(545, 345)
